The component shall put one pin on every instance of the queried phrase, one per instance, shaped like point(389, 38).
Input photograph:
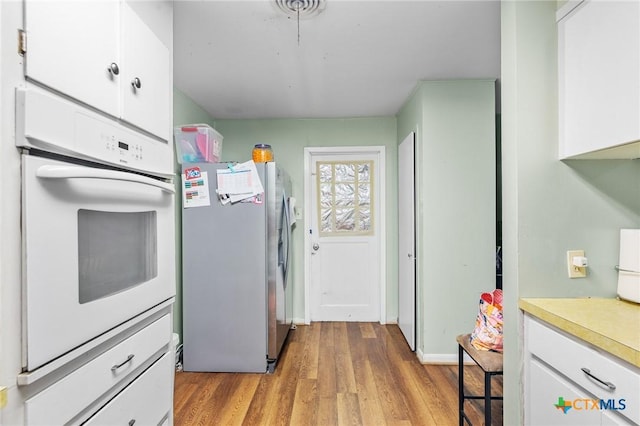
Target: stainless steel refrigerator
point(235, 258)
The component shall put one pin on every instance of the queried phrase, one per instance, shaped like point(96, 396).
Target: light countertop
point(609, 324)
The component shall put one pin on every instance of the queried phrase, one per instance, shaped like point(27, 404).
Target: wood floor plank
point(349, 409)
point(263, 402)
point(367, 330)
point(370, 406)
point(345, 379)
point(288, 382)
point(334, 374)
point(236, 407)
point(309, 366)
point(327, 386)
point(412, 388)
point(181, 399)
point(305, 403)
point(474, 385)
point(328, 410)
point(446, 405)
point(430, 392)
point(219, 401)
point(391, 400)
point(193, 407)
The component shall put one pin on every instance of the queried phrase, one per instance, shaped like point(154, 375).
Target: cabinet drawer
point(66, 398)
point(545, 387)
point(569, 357)
point(146, 401)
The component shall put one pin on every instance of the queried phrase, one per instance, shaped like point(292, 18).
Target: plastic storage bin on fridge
point(197, 143)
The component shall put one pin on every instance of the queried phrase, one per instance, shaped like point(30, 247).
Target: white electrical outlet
point(574, 270)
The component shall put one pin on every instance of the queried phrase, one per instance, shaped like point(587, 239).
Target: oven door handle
point(72, 172)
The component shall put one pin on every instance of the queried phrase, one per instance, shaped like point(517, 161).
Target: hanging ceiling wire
point(301, 9)
point(297, 5)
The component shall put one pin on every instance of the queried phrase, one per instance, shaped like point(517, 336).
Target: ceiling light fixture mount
point(301, 8)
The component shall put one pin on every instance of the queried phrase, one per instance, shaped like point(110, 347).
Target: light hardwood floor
point(334, 373)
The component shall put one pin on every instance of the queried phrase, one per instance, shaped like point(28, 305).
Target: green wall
point(550, 206)
point(451, 160)
point(185, 111)
point(288, 138)
point(455, 130)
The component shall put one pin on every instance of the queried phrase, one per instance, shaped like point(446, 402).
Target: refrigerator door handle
point(287, 232)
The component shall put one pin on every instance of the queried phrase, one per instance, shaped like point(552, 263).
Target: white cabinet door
point(88, 383)
point(561, 370)
point(71, 45)
point(97, 52)
point(552, 400)
point(146, 81)
point(614, 419)
point(599, 79)
point(146, 401)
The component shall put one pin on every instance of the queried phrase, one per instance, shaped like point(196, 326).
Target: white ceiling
point(357, 58)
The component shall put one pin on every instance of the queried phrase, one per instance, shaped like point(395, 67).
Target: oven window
point(116, 251)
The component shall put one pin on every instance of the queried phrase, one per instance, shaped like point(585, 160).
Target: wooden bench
point(490, 363)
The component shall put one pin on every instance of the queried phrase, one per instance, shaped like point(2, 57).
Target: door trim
point(379, 152)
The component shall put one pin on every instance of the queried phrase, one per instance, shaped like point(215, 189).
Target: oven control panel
point(120, 146)
point(52, 123)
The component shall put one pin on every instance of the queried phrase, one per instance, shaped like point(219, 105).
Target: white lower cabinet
point(132, 378)
point(146, 401)
point(610, 419)
point(568, 382)
point(548, 391)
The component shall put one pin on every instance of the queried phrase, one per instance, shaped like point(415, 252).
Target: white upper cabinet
point(599, 79)
point(146, 83)
point(98, 53)
point(71, 48)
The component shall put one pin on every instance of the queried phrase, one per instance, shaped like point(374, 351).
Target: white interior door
point(407, 240)
point(344, 235)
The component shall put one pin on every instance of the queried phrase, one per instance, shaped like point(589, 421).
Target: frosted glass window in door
point(344, 202)
point(116, 251)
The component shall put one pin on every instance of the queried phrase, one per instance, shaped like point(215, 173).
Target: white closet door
point(407, 241)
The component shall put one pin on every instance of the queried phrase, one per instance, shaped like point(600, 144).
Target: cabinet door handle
point(610, 385)
point(117, 366)
point(136, 83)
point(132, 422)
point(113, 68)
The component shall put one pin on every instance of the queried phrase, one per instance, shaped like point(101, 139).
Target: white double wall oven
point(98, 225)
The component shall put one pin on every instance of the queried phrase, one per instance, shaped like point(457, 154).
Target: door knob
point(136, 83)
point(316, 246)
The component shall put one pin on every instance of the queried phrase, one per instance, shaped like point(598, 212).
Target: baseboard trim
point(300, 321)
point(441, 359)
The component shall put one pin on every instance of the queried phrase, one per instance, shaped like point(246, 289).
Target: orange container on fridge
point(262, 153)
